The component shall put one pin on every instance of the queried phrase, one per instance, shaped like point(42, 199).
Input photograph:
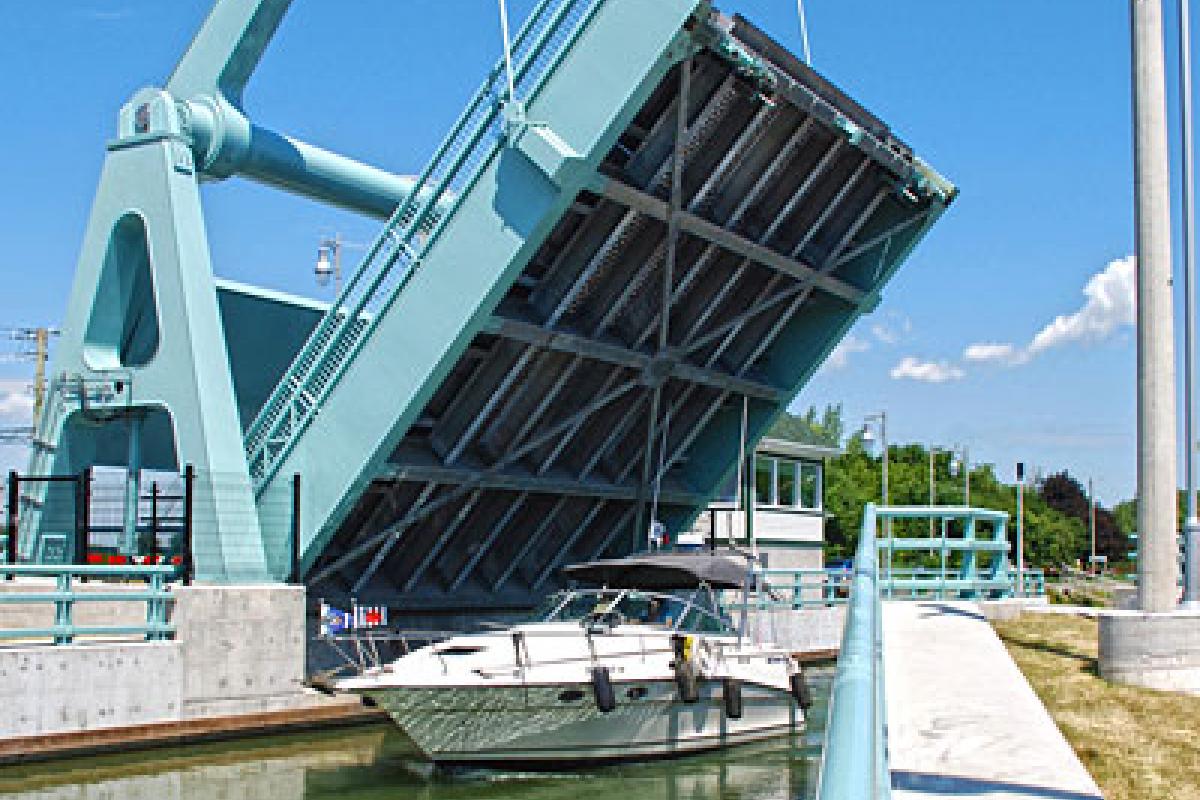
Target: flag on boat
point(370, 616)
point(334, 620)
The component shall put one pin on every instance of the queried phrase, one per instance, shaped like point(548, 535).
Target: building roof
point(784, 447)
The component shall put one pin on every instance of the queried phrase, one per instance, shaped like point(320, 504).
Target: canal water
point(376, 763)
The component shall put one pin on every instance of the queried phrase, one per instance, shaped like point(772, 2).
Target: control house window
point(787, 483)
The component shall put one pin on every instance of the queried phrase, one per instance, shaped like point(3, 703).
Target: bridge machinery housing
point(555, 335)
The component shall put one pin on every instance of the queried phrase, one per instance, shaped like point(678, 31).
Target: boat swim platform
point(962, 720)
point(559, 329)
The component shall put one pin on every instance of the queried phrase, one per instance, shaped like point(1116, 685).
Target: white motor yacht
point(643, 666)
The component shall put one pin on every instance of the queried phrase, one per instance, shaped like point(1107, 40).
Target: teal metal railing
point(414, 227)
point(797, 589)
point(854, 760)
point(980, 548)
point(63, 596)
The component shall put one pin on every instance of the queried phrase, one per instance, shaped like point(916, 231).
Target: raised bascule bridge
point(656, 223)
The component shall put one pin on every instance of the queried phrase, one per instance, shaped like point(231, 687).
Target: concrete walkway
point(962, 720)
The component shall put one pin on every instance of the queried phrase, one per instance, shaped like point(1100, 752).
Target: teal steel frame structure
point(981, 548)
point(550, 341)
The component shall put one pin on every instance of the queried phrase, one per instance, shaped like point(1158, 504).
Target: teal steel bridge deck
point(560, 321)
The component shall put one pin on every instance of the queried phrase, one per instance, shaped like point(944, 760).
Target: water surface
point(377, 763)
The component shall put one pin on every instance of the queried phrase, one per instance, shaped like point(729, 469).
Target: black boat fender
point(602, 690)
point(731, 691)
point(800, 690)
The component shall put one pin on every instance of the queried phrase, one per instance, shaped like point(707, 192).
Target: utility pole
point(1191, 526)
point(40, 337)
point(1155, 315)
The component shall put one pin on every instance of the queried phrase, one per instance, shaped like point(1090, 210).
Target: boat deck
point(962, 719)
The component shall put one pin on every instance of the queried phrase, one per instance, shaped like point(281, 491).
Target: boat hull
point(560, 724)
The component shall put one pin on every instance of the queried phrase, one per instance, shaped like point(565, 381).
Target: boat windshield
point(694, 612)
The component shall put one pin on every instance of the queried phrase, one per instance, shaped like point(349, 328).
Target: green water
point(374, 763)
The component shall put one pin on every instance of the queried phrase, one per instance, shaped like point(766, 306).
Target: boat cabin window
point(695, 611)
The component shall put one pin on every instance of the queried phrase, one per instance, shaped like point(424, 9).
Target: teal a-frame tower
point(658, 232)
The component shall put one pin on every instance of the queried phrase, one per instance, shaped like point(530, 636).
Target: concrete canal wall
point(237, 662)
point(807, 631)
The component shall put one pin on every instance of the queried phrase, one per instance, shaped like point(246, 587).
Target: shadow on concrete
point(946, 608)
point(952, 785)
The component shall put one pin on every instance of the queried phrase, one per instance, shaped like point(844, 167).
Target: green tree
point(825, 429)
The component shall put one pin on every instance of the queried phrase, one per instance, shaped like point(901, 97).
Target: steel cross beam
point(781, 158)
point(419, 513)
point(618, 355)
point(529, 544)
point(674, 209)
point(753, 130)
point(382, 554)
point(525, 482)
point(632, 220)
point(569, 542)
point(612, 535)
point(490, 540)
point(728, 240)
point(443, 539)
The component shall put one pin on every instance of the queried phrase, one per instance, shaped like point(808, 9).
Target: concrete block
point(1158, 651)
point(809, 630)
point(1009, 608)
point(243, 647)
point(82, 687)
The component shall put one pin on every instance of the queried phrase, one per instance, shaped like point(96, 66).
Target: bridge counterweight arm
point(227, 49)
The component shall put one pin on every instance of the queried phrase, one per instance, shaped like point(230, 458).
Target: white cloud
point(15, 400)
point(911, 368)
point(892, 328)
point(1109, 306)
point(108, 14)
point(839, 357)
point(994, 352)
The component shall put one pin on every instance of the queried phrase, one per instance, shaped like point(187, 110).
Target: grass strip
point(1139, 744)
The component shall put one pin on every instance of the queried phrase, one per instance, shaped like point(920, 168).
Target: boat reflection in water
point(377, 763)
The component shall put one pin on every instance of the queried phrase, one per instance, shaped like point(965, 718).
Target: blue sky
point(1024, 104)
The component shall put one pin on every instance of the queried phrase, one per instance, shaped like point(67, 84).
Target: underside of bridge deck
point(761, 222)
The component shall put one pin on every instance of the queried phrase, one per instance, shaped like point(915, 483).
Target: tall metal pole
point(1155, 322)
point(41, 338)
point(1191, 528)
point(966, 465)
point(887, 525)
point(1092, 522)
point(932, 491)
point(1020, 529)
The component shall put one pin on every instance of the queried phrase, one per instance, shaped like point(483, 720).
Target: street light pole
point(932, 491)
point(966, 468)
point(881, 418)
point(1191, 526)
point(1020, 529)
point(1092, 522)
point(1156, 386)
